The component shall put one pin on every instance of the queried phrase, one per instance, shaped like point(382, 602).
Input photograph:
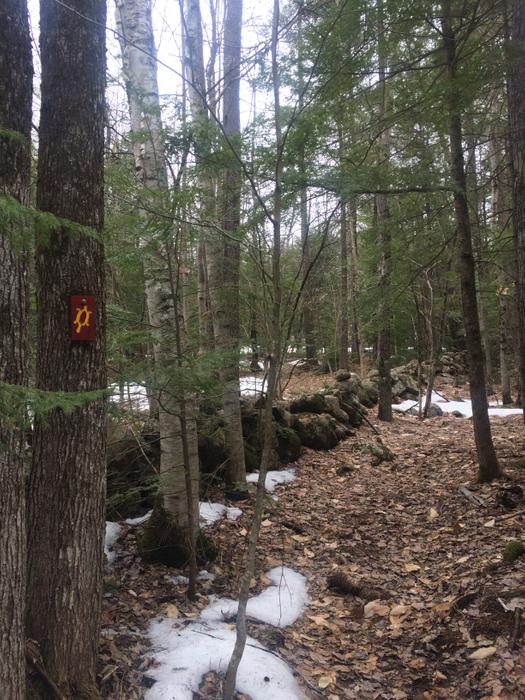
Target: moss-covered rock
point(513, 550)
point(164, 542)
point(353, 409)
point(309, 403)
point(367, 393)
point(320, 432)
point(288, 444)
point(333, 406)
point(378, 450)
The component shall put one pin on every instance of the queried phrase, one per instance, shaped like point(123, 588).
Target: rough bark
point(516, 111)
point(354, 282)
point(176, 411)
point(504, 295)
point(16, 74)
point(384, 412)
point(488, 463)
point(306, 262)
point(194, 70)
point(481, 269)
point(308, 296)
point(344, 332)
point(224, 250)
point(66, 491)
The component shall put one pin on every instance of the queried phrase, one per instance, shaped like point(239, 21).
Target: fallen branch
point(509, 516)
point(376, 431)
point(516, 630)
point(477, 500)
point(443, 397)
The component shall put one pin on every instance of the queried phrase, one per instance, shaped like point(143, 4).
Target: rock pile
point(451, 367)
point(404, 385)
point(318, 421)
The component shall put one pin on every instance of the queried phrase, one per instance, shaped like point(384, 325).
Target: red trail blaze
point(82, 317)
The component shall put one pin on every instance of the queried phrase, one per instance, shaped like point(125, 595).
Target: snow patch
point(183, 580)
point(141, 519)
point(273, 478)
point(252, 385)
point(464, 407)
point(135, 396)
point(209, 513)
point(278, 605)
point(113, 531)
point(185, 654)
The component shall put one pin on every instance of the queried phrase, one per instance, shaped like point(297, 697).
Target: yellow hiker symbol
point(82, 318)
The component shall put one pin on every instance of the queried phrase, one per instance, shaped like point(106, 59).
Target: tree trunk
point(306, 262)
point(357, 349)
point(506, 394)
point(177, 424)
point(67, 483)
point(516, 111)
point(504, 296)
point(195, 75)
point(344, 337)
point(385, 248)
point(488, 463)
point(224, 251)
point(16, 72)
point(481, 268)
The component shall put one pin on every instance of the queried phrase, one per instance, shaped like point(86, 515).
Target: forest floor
point(417, 609)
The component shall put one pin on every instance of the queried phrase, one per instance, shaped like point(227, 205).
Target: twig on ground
point(477, 500)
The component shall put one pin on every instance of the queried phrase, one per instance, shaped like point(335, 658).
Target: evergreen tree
point(16, 72)
point(66, 489)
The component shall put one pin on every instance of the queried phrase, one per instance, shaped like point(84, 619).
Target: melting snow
point(273, 478)
point(186, 653)
point(112, 533)
point(251, 385)
point(183, 653)
point(182, 580)
point(464, 407)
point(211, 512)
point(141, 519)
point(135, 396)
point(279, 605)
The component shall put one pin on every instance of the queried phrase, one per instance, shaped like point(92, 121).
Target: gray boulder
point(319, 431)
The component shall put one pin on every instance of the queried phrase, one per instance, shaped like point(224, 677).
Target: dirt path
point(425, 566)
point(403, 529)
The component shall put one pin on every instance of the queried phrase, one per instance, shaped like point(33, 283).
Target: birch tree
point(179, 463)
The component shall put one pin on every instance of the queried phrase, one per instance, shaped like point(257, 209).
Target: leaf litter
point(430, 609)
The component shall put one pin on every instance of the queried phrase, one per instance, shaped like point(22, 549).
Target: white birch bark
point(138, 54)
